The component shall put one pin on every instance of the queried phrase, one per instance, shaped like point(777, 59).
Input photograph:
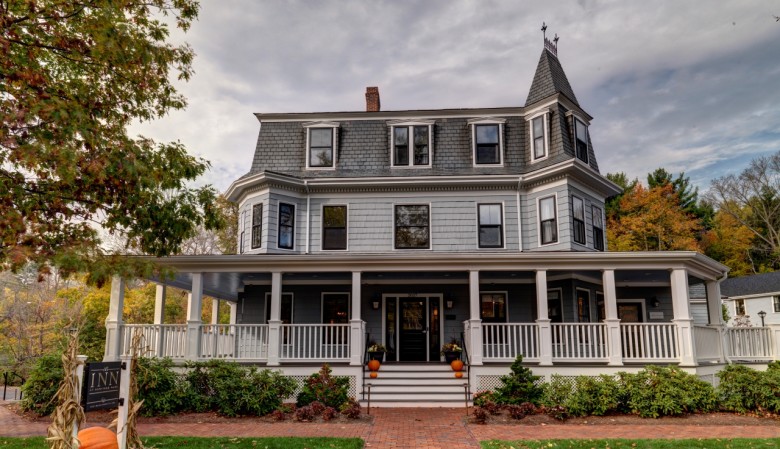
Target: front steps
point(415, 385)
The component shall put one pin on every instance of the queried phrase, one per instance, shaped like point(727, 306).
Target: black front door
point(413, 329)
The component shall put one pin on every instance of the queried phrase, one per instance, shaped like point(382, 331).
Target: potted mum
point(451, 351)
point(376, 351)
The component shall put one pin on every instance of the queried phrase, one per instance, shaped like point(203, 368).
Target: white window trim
point(410, 126)
point(539, 220)
point(590, 304)
point(266, 307)
point(487, 121)
point(642, 305)
point(503, 225)
point(594, 208)
point(294, 227)
point(322, 305)
point(241, 230)
point(496, 292)
point(430, 227)
point(322, 227)
point(314, 125)
point(576, 116)
point(584, 222)
point(252, 225)
point(545, 114)
point(736, 307)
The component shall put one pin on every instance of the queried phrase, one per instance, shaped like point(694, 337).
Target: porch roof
point(224, 275)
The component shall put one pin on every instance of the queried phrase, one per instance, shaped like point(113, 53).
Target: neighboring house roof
point(549, 80)
point(751, 285)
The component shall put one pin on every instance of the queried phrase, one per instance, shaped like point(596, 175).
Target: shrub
point(231, 390)
point(480, 415)
point(305, 413)
point(483, 396)
point(317, 407)
point(519, 386)
point(558, 412)
point(278, 415)
point(350, 409)
point(667, 391)
point(323, 387)
point(163, 391)
point(491, 407)
point(42, 385)
point(743, 389)
point(521, 411)
point(329, 413)
point(585, 395)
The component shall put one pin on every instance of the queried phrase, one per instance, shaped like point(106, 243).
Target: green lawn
point(737, 443)
point(216, 443)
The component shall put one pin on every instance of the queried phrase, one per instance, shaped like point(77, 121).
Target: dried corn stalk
point(68, 411)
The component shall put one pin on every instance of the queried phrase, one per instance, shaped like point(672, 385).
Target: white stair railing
point(579, 341)
point(753, 343)
point(314, 342)
point(649, 342)
point(505, 341)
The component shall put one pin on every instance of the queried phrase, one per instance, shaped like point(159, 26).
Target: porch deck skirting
point(500, 342)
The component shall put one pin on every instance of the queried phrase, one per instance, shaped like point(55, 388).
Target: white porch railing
point(159, 340)
point(749, 343)
point(234, 341)
point(579, 341)
point(647, 342)
point(708, 342)
point(505, 341)
point(314, 342)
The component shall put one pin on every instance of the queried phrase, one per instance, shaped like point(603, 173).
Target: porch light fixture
point(449, 304)
point(655, 302)
point(375, 304)
point(762, 314)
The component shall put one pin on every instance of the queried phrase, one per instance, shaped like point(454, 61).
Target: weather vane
point(550, 45)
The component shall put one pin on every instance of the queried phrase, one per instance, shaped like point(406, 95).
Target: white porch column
point(214, 311)
point(614, 343)
point(475, 320)
point(356, 323)
point(715, 313)
point(233, 311)
point(159, 318)
point(682, 316)
point(543, 320)
point(194, 318)
point(114, 320)
point(275, 321)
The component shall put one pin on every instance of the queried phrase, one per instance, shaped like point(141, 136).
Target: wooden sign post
point(124, 402)
point(106, 385)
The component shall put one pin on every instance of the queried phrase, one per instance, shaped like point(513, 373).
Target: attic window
point(538, 126)
point(411, 143)
point(581, 139)
point(321, 145)
point(487, 141)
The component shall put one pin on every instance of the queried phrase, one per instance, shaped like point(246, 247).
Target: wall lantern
point(655, 302)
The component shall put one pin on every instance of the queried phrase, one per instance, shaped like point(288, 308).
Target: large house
point(414, 228)
point(755, 298)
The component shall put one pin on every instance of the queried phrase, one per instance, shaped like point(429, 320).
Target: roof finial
point(550, 45)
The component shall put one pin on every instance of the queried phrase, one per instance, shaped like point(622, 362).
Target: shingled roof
point(549, 80)
point(751, 285)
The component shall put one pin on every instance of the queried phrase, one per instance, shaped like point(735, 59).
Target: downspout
point(519, 217)
point(308, 214)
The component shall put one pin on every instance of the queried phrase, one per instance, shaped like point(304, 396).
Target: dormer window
point(539, 139)
point(487, 141)
point(321, 145)
point(581, 139)
point(411, 143)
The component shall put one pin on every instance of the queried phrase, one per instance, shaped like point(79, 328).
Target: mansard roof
point(549, 80)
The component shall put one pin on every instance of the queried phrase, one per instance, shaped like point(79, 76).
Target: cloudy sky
point(691, 86)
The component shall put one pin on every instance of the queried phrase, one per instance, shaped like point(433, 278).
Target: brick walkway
point(397, 428)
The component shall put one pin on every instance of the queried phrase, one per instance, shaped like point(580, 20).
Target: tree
point(612, 207)
point(730, 243)
point(73, 76)
point(652, 220)
point(753, 199)
point(687, 195)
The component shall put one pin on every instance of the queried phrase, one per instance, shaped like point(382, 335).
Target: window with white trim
point(242, 226)
point(412, 226)
point(411, 145)
point(598, 228)
point(491, 228)
point(286, 308)
point(492, 307)
point(334, 227)
point(539, 137)
point(321, 149)
point(578, 218)
point(286, 238)
point(257, 226)
point(548, 222)
point(581, 139)
point(739, 306)
point(776, 303)
point(487, 144)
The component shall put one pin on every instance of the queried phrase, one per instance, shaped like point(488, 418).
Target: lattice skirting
point(300, 380)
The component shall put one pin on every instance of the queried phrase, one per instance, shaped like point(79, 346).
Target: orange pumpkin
point(373, 365)
point(373, 374)
point(457, 365)
point(458, 374)
point(97, 438)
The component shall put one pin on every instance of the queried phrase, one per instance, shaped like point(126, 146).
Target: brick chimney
point(372, 99)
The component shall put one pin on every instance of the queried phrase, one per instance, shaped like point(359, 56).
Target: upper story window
point(548, 221)
point(286, 238)
point(491, 232)
point(412, 227)
point(257, 226)
point(598, 228)
point(539, 136)
point(321, 145)
point(242, 227)
point(334, 227)
point(487, 141)
point(581, 139)
point(776, 303)
point(411, 143)
point(578, 216)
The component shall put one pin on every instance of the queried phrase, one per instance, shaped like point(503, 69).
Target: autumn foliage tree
point(731, 243)
point(652, 220)
point(73, 77)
